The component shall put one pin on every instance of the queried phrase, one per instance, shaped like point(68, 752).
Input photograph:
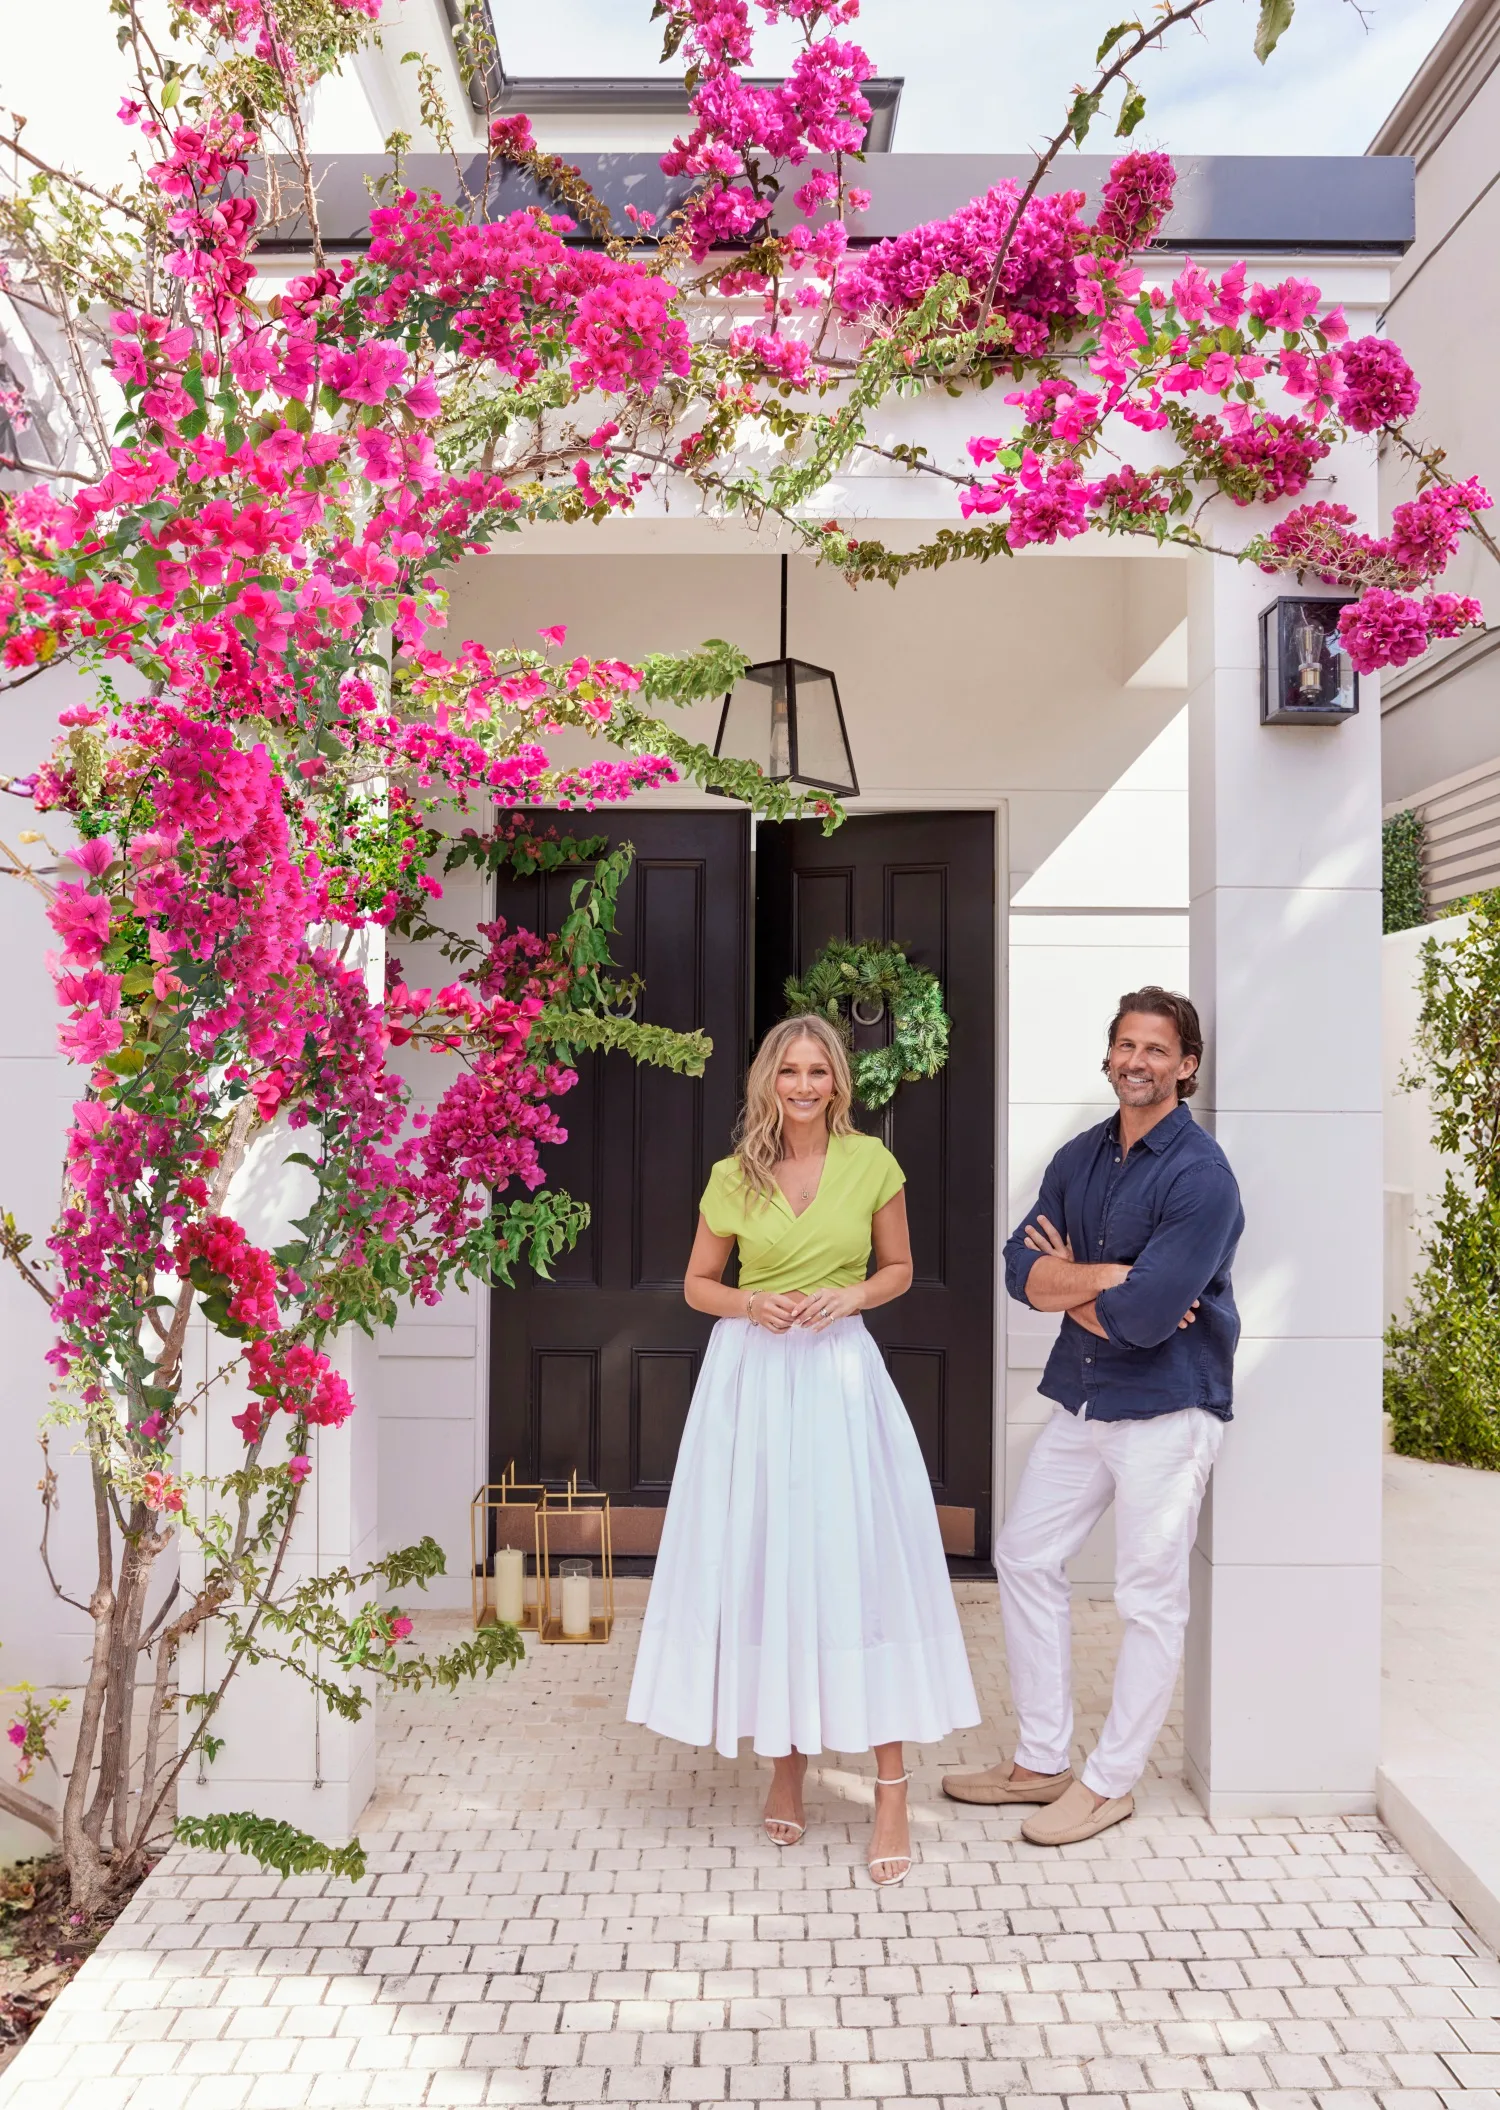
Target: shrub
point(1404, 897)
point(1442, 1384)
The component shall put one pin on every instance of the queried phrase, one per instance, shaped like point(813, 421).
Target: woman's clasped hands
point(813, 1310)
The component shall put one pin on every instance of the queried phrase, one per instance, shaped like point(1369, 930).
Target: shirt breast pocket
point(1125, 1234)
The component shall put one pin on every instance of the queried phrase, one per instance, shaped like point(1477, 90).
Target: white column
point(1283, 1659)
point(284, 1755)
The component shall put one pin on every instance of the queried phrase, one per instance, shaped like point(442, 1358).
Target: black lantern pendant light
point(1306, 676)
point(786, 716)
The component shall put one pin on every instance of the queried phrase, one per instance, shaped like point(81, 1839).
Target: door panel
point(593, 1370)
point(661, 1392)
point(926, 882)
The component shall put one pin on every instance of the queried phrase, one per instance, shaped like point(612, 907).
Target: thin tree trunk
point(117, 1692)
point(30, 1809)
point(127, 1661)
point(85, 1866)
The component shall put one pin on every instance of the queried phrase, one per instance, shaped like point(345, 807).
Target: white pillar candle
point(577, 1618)
point(510, 1585)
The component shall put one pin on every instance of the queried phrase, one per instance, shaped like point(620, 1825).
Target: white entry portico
point(1043, 692)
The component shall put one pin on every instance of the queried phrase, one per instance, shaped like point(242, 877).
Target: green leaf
point(675, 31)
point(1273, 23)
point(1112, 38)
point(1081, 114)
point(171, 94)
point(685, 1053)
point(273, 1844)
point(1132, 110)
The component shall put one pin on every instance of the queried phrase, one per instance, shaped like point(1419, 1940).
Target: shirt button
point(1117, 1157)
point(1101, 1241)
point(1088, 1358)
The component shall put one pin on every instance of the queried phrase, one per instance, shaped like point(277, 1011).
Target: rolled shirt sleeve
point(1198, 1226)
point(1019, 1257)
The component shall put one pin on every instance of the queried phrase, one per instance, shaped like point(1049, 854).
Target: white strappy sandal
point(784, 1824)
point(889, 1860)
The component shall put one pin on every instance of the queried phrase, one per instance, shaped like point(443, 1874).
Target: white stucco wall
point(1107, 911)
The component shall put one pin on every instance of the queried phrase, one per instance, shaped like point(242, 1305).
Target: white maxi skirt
point(801, 1596)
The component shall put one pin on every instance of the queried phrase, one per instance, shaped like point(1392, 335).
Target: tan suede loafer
point(1073, 1817)
point(995, 1786)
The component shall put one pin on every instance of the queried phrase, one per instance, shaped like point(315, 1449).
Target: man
point(1131, 1238)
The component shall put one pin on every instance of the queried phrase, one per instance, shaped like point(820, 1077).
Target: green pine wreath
point(845, 975)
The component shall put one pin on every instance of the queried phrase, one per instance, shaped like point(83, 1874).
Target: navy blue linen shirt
point(1171, 1212)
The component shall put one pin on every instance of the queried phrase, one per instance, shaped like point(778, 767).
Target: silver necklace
point(805, 1194)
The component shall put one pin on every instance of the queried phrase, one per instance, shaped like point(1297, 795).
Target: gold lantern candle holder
point(573, 1535)
point(502, 1531)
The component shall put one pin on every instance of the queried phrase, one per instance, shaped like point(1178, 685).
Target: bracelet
point(750, 1305)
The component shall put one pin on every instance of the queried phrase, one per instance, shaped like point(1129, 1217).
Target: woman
point(801, 1597)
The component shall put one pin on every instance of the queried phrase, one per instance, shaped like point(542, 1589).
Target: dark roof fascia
point(1267, 204)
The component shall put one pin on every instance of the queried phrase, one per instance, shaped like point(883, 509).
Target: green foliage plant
point(1403, 896)
point(1442, 1381)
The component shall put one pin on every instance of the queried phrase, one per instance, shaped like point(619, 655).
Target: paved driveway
point(561, 1909)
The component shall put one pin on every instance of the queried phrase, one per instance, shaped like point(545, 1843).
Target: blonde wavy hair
point(757, 1135)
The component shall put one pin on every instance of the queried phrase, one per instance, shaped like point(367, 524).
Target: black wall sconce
point(785, 715)
point(1306, 677)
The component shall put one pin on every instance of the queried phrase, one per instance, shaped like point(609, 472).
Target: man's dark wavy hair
point(1163, 1003)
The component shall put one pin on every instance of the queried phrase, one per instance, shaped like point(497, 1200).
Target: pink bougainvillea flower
point(94, 857)
point(1378, 387)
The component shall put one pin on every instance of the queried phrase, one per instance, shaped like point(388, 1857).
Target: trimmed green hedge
point(1442, 1380)
point(1401, 871)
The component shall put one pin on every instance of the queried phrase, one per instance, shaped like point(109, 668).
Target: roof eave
point(1282, 205)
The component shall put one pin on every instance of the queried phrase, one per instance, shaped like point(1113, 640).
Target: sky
point(981, 75)
point(991, 76)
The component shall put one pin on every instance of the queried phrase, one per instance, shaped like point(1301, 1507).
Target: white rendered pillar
point(1283, 1657)
point(284, 1755)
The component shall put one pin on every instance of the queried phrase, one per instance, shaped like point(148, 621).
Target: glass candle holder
point(576, 1581)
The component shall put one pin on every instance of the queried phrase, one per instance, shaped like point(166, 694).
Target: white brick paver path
point(560, 1909)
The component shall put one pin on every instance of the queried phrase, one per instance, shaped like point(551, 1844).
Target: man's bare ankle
point(1020, 1772)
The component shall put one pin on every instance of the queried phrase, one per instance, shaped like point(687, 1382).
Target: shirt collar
point(1165, 1132)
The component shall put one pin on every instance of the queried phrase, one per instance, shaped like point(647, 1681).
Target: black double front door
point(594, 1370)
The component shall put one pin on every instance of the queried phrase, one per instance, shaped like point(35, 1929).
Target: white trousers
point(1155, 1473)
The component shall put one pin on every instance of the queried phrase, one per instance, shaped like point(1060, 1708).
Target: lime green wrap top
point(828, 1245)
